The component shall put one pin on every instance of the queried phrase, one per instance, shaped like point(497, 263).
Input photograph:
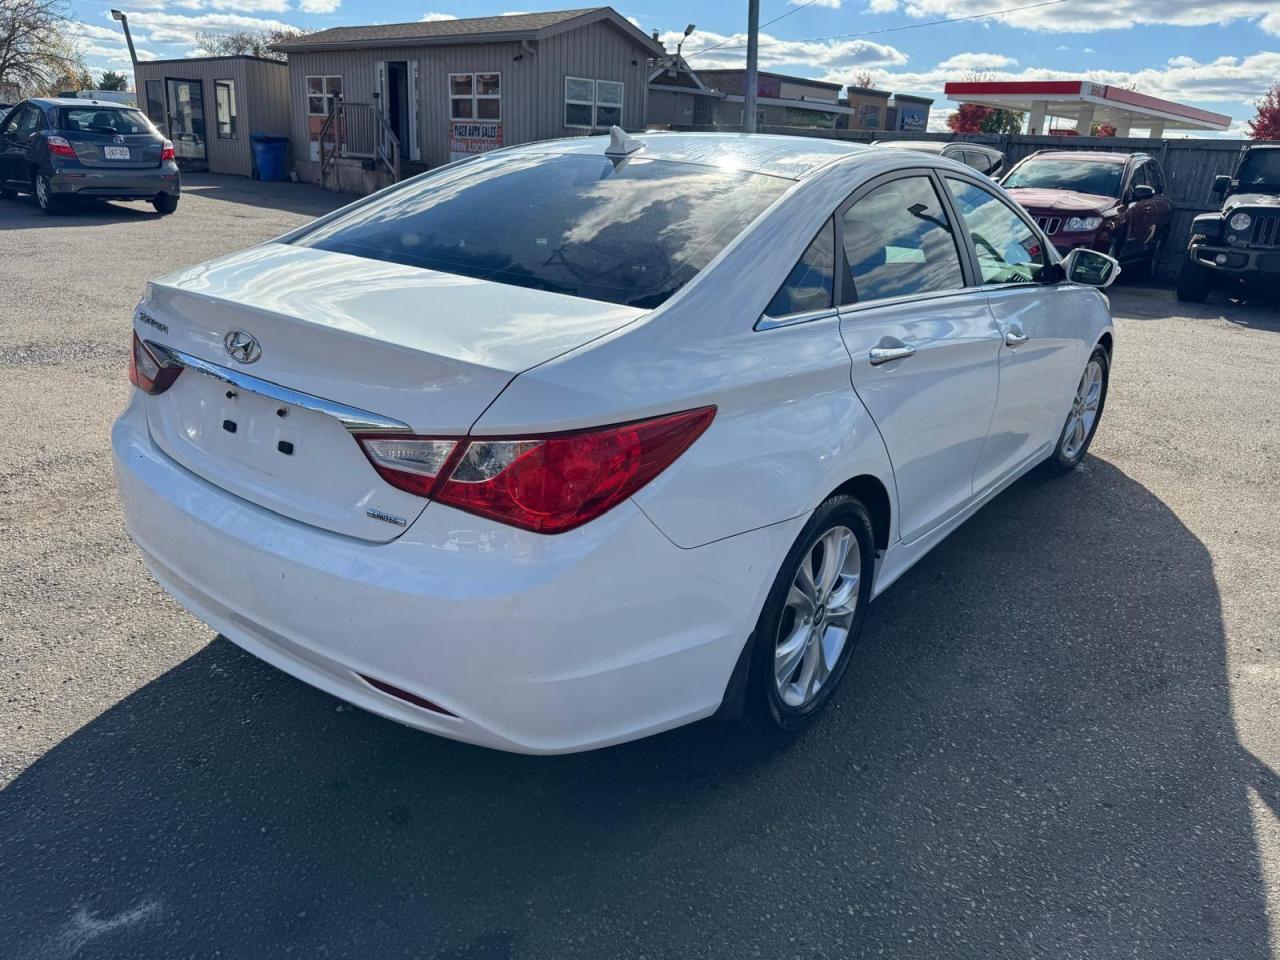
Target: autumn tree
point(1266, 125)
point(113, 81)
point(254, 43)
point(1102, 130)
point(36, 55)
point(968, 118)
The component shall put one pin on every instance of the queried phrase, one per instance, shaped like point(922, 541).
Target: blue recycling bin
point(269, 155)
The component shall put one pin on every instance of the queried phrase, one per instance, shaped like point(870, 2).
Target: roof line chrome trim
point(353, 418)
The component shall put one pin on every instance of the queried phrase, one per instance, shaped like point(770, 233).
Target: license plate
point(117, 153)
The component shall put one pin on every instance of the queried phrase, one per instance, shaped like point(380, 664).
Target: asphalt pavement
point(1059, 737)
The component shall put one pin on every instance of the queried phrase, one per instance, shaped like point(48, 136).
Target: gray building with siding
point(208, 106)
point(451, 88)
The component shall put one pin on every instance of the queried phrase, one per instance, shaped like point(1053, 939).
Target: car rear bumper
point(96, 184)
point(537, 644)
point(1235, 260)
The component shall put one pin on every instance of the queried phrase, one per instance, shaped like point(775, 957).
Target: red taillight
point(166, 151)
point(148, 373)
point(548, 484)
point(61, 147)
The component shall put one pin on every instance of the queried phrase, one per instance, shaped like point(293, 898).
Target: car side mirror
point(1090, 268)
point(1221, 184)
point(1143, 191)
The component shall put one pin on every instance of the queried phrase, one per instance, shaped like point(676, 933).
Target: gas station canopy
point(1086, 103)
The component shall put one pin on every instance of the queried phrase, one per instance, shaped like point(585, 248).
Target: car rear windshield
point(102, 120)
point(1261, 168)
point(1080, 176)
point(630, 232)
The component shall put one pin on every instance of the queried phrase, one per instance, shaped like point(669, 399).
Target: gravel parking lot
point(1060, 737)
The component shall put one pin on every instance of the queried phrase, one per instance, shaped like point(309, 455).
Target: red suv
point(1112, 202)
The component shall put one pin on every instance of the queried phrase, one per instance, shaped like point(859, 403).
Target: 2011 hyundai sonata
point(578, 441)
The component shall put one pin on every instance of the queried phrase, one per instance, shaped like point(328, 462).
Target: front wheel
point(1194, 282)
point(1084, 416)
point(813, 617)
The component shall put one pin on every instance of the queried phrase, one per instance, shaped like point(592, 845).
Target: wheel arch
point(874, 495)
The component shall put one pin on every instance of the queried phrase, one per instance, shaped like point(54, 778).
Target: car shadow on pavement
point(301, 198)
point(1034, 756)
point(21, 213)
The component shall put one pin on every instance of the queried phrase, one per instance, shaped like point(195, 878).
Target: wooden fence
point(1189, 166)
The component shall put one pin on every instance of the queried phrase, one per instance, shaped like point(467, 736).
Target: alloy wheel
point(817, 616)
point(1084, 411)
point(42, 191)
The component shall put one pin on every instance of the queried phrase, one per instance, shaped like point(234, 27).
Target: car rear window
point(1097, 177)
point(102, 120)
point(630, 232)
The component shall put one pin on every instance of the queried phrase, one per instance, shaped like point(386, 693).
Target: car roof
point(1098, 155)
point(778, 156)
point(923, 146)
point(79, 102)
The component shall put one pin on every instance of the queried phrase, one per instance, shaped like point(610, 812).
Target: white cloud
point(1089, 16)
point(977, 61)
point(319, 6)
point(176, 28)
point(805, 55)
point(436, 17)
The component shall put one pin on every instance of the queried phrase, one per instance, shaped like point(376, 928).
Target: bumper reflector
point(406, 696)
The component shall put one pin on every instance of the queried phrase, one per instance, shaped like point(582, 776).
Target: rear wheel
point(1084, 416)
point(46, 199)
point(813, 617)
point(1194, 282)
point(165, 203)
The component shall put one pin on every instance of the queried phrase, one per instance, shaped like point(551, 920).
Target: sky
point(1217, 54)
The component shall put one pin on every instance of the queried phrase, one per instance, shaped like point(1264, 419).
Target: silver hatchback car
point(65, 149)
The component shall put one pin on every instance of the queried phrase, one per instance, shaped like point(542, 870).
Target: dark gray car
point(64, 149)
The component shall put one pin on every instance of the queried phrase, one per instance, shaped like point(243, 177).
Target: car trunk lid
point(336, 332)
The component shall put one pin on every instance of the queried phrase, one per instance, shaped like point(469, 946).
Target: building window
point(322, 94)
point(475, 96)
point(224, 102)
point(592, 103)
point(155, 105)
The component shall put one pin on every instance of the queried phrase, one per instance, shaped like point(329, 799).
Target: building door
point(398, 102)
point(185, 106)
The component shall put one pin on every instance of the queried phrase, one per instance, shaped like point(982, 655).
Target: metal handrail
point(386, 145)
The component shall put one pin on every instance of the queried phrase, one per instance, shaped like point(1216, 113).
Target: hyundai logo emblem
point(243, 347)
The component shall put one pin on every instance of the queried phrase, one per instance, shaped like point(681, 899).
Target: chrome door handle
point(1015, 339)
point(879, 355)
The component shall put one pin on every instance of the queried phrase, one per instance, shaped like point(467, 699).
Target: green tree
point(113, 81)
point(1002, 121)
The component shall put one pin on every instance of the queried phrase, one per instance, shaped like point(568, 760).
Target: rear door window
point(899, 242)
point(811, 283)
point(631, 232)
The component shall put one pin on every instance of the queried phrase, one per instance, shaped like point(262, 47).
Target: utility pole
point(753, 43)
point(128, 38)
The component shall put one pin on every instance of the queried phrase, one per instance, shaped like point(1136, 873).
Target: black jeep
point(1239, 246)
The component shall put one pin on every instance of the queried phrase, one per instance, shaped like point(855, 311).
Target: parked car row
point(64, 150)
point(1118, 203)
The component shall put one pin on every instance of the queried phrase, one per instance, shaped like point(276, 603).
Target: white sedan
point(578, 441)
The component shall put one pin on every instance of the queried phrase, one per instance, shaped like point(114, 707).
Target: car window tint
point(1098, 177)
point(28, 121)
point(1009, 251)
point(1141, 177)
point(102, 120)
point(811, 282)
point(898, 242)
point(631, 232)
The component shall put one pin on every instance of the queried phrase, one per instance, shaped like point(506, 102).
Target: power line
point(872, 33)
point(782, 16)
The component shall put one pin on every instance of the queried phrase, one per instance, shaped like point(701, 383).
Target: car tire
point(165, 203)
point(46, 199)
point(1151, 265)
point(798, 663)
point(1082, 420)
point(1194, 282)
